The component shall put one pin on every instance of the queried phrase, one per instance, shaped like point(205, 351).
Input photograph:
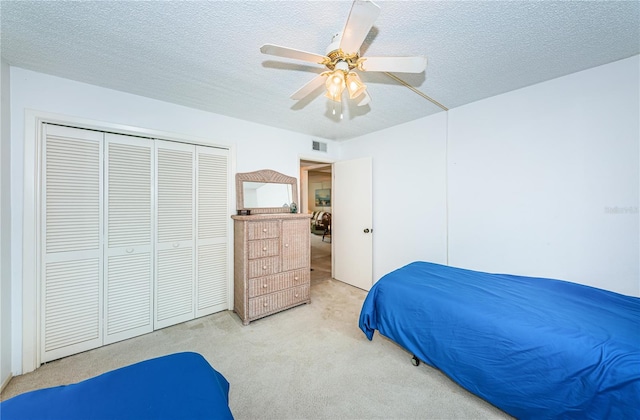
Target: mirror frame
point(268, 176)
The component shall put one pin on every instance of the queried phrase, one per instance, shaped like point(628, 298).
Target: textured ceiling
point(206, 54)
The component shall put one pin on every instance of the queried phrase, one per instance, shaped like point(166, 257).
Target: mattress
point(534, 347)
point(176, 386)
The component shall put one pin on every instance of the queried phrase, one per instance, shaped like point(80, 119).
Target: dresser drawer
point(264, 248)
point(265, 229)
point(269, 284)
point(263, 266)
point(273, 302)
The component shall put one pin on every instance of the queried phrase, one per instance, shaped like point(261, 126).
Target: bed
point(177, 386)
point(534, 347)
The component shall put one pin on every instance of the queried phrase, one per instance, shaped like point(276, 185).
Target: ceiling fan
point(343, 60)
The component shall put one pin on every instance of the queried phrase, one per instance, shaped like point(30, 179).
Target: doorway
point(315, 197)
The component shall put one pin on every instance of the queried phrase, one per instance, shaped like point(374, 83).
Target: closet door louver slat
point(129, 212)
point(212, 279)
point(174, 286)
point(71, 304)
point(128, 302)
point(212, 291)
point(71, 234)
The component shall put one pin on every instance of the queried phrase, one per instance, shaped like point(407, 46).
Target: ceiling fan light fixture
point(343, 62)
point(354, 85)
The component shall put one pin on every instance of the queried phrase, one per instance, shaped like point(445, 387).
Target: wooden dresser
point(271, 262)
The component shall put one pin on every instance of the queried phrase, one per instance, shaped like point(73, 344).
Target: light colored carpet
point(309, 362)
point(320, 258)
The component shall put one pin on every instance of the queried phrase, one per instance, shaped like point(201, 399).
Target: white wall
point(5, 230)
point(409, 191)
point(256, 146)
point(543, 181)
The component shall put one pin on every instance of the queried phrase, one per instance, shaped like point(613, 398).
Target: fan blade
point(395, 64)
point(291, 53)
point(314, 84)
point(365, 99)
point(359, 23)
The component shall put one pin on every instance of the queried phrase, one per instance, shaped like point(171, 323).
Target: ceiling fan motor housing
point(335, 43)
point(335, 56)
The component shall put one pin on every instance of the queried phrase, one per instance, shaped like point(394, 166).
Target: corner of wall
point(5, 231)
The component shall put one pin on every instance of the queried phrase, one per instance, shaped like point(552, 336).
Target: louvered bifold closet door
point(175, 233)
point(129, 241)
point(212, 221)
point(71, 277)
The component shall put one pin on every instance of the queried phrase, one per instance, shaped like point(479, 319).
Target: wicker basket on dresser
point(271, 263)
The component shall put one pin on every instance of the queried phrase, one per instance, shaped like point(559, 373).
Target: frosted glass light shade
point(354, 85)
point(335, 84)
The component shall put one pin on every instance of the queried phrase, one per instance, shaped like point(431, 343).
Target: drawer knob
point(264, 230)
point(129, 250)
point(286, 245)
point(296, 278)
point(264, 285)
point(264, 267)
point(297, 295)
point(264, 249)
point(266, 304)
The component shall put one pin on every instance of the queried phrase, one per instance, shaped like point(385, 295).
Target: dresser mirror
point(265, 191)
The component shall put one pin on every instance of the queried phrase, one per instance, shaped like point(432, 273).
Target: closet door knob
point(264, 285)
point(286, 245)
point(129, 250)
point(176, 244)
point(264, 249)
point(264, 267)
point(264, 230)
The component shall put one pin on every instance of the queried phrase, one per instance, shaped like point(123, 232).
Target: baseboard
point(6, 382)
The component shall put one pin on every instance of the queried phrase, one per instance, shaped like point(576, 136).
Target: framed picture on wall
point(323, 197)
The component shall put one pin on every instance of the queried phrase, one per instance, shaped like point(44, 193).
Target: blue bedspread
point(177, 386)
point(536, 348)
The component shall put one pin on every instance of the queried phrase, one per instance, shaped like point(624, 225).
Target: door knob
point(366, 231)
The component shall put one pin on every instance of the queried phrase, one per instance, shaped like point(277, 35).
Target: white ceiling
point(206, 54)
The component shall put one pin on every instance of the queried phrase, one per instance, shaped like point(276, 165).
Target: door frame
point(31, 223)
point(304, 192)
point(304, 196)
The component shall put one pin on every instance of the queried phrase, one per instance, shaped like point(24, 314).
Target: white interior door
point(175, 233)
point(352, 223)
point(129, 237)
point(212, 221)
point(71, 242)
